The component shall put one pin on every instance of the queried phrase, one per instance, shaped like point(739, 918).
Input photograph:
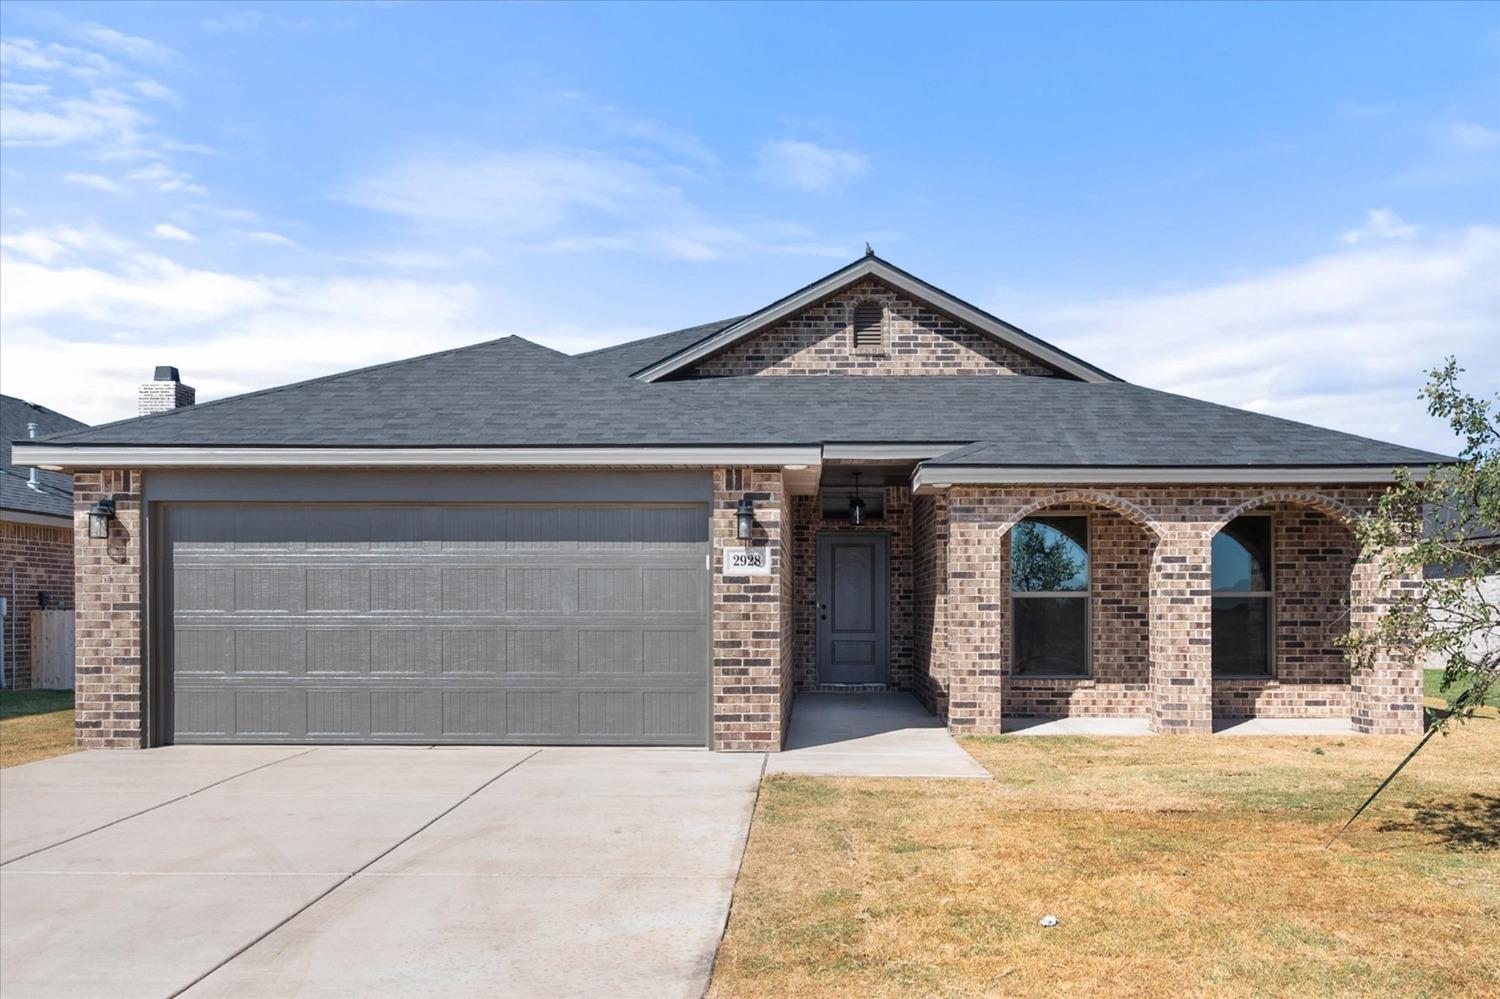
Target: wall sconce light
point(744, 518)
point(100, 514)
point(856, 505)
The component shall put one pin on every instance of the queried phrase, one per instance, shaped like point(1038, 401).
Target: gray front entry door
point(520, 623)
point(853, 608)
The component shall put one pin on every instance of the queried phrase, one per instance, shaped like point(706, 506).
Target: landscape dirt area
point(1173, 865)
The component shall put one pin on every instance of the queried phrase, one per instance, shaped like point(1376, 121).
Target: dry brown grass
point(1177, 866)
point(35, 724)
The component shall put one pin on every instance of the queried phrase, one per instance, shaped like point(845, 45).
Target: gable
point(820, 329)
point(903, 337)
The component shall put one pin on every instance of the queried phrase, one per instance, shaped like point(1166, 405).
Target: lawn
point(1175, 866)
point(35, 724)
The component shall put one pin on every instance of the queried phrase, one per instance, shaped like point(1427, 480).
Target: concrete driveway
point(266, 871)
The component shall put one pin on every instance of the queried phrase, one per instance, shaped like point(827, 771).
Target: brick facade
point(819, 340)
point(1178, 525)
point(42, 557)
point(753, 630)
point(807, 523)
point(1151, 601)
point(108, 625)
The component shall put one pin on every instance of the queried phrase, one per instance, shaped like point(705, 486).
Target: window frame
point(1086, 595)
point(1268, 595)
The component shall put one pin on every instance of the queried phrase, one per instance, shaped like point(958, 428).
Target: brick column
point(752, 618)
point(107, 631)
point(1387, 692)
point(977, 620)
point(1182, 630)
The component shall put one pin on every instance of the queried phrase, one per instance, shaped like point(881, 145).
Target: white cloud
point(31, 115)
point(1339, 340)
point(164, 178)
point(809, 167)
point(566, 200)
point(273, 238)
point(1380, 224)
point(27, 54)
point(164, 230)
point(1471, 136)
point(87, 316)
point(239, 20)
point(130, 46)
point(154, 90)
point(98, 182)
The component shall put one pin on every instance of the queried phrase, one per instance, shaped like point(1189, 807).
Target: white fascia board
point(888, 452)
point(940, 477)
point(36, 519)
point(88, 456)
point(870, 267)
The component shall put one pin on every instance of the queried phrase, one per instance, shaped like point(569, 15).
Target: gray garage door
point(456, 624)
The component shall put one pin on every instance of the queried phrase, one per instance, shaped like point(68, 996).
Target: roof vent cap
point(167, 373)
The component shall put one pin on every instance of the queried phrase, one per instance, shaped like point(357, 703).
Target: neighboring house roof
point(871, 266)
point(54, 497)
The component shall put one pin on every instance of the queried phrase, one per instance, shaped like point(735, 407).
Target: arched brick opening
point(1122, 546)
point(1316, 565)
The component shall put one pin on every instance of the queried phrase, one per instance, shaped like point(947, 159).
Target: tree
point(1445, 526)
point(1040, 565)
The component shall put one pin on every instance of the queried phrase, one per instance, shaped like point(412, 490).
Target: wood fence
point(52, 649)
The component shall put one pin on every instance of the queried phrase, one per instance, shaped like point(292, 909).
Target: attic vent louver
point(869, 326)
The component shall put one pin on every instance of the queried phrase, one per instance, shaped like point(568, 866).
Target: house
point(868, 484)
point(36, 534)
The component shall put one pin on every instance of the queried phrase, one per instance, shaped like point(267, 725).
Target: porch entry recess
point(854, 619)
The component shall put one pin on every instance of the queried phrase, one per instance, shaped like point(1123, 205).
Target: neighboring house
point(868, 484)
point(36, 533)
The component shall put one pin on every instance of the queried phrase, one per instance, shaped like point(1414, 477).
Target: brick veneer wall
point(1314, 558)
point(929, 542)
point(753, 630)
point(807, 523)
point(43, 559)
point(918, 341)
point(107, 627)
point(1384, 698)
point(1119, 684)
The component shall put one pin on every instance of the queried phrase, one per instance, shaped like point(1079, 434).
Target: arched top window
point(869, 326)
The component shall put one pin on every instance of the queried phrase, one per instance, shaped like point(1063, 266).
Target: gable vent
point(869, 322)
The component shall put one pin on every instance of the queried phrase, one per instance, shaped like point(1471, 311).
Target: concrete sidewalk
point(869, 735)
point(372, 872)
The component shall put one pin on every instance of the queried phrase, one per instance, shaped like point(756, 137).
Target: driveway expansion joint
point(346, 878)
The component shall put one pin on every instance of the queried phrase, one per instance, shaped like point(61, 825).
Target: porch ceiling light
point(856, 505)
point(744, 518)
point(100, 514)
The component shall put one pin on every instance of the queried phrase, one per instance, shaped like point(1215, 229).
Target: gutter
point(932, 477)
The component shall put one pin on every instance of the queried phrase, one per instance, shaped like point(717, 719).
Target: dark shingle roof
point(504, 393)
point(55, 497)
point(1033, 421)
point(627, 358)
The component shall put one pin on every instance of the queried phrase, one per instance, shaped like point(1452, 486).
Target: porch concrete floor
point(1076, 726)
point(1283, 726)
point(1142, 726)
point(869, 735)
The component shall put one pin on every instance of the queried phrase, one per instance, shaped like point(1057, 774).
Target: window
point(1243, 598)
point(869, 326)
point(1049, 589)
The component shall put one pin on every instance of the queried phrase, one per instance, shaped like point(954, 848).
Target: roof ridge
point(255, 393)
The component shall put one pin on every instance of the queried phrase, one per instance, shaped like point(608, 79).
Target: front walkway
point(869, 735)
point(1142, 726)
point(379, 871)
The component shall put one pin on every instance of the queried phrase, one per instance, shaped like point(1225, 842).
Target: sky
point(1293, 209)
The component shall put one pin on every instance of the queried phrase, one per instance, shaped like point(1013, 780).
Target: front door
point(853, 608)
